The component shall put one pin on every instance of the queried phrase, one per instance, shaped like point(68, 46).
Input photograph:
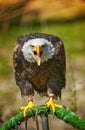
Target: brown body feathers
point(50, 74)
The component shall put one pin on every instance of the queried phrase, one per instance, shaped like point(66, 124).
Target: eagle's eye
point(32, 46)
point(44, 46)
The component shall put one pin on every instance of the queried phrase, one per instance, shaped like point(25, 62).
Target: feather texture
point(46, 46)
point(49, 75)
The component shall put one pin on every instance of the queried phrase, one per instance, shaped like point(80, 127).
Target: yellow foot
point(51, 103)
point(25, 108)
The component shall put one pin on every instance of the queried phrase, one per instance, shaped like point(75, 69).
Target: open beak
point(38, 54)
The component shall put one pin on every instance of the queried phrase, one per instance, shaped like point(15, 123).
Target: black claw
point(54, 114)
point(64, 107)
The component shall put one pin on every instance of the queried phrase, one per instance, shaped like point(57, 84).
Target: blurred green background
point(65, 19)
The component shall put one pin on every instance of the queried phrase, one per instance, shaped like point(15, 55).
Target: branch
point(61, 113)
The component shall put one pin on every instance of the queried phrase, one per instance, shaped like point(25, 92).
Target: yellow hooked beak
point(37, 54)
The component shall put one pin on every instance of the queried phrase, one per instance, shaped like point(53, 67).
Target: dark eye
point(35, 53)
point(44, 46)
point(31, 46)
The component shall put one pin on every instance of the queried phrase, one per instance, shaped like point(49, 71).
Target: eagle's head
point(38, 50)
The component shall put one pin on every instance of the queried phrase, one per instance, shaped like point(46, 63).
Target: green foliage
point(62, 113)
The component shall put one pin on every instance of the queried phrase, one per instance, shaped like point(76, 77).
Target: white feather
point(34, 42)
point(48, 49)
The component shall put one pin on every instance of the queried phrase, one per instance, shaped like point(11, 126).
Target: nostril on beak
point(35, 53)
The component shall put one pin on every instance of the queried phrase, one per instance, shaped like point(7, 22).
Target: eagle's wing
point(20, 75)
point(55, 70)
point(57, 82)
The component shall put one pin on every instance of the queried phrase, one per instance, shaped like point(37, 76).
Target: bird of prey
point(40, 65)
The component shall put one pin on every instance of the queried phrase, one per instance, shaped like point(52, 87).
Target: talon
point(25, 108)
point(51, 103)
point(60, 106)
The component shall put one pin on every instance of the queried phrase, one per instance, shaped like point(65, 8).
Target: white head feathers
point(46, 46)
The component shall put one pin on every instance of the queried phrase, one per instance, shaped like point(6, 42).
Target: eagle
point(39, 65)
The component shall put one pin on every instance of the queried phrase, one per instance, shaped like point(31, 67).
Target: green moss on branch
point(61, 113)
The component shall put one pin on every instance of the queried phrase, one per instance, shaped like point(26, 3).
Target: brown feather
point(50, 74)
